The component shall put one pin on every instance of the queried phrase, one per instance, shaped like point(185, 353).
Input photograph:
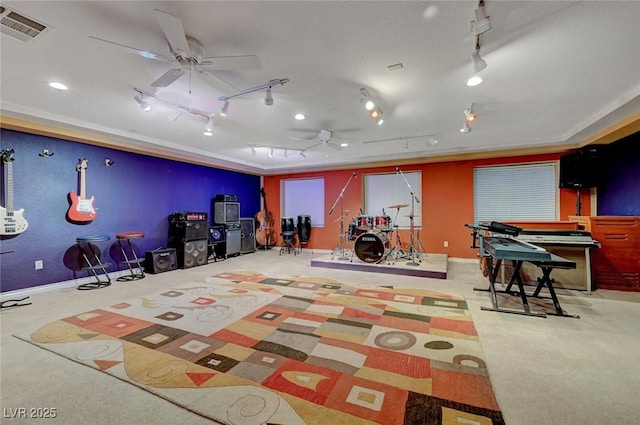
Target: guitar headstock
point(7, 155)
point(82, 164)
point(262, 191)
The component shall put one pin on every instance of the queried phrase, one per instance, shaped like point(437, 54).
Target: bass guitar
point(13, 222)
point(81, 209)
point(265, 233)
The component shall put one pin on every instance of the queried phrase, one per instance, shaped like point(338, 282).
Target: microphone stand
point(412, 244)
point(341, 245)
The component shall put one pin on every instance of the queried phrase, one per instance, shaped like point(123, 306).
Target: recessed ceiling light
point(344, 144)
point(474, 81)
point(299, 116)
point(58, 85)
point(208, 133)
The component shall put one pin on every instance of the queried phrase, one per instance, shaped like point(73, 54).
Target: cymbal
point(398, 206)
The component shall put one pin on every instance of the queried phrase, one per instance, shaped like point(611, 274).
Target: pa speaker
point(193, 253)
point(160, 260)
point(216, 234)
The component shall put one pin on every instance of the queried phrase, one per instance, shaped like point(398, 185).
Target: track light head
point(225, 108)
point(174, 114)
point(302, 154)
point(209, 126)
point(481, 23)
point(469, 115)
point(253, 150)
point(478, 63)
point(144, 105)
point(465, 127)
point(268, 100)
point(270, 153)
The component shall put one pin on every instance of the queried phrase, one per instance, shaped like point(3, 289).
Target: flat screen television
point(583, 168)
point(226, 212)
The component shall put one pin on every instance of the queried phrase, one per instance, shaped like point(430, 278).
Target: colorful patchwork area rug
point(245, 349)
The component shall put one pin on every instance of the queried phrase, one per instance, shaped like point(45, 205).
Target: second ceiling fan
point(189, 53)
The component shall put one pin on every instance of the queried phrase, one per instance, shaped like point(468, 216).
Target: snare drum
point(383, 221)
point(365, 221)
point(286, 224)
point(372, 247)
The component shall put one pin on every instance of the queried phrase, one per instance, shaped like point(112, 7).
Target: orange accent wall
point(446, 202)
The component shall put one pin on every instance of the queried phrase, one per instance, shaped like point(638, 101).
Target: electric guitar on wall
point(12, 221)
point(81, 208)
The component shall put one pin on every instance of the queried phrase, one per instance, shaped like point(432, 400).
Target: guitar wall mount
point(108, 162)
point(46, 153)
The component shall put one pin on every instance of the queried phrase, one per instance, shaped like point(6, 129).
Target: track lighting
point(268, 100)
point(369, 104)
point(144, 105)
point(465, 127)
point(432, 141)
point(302, 154)
point(174, 114)
point(286, 154)
point(253, 150)
point(209, 126)
point(270, 154)
point(469, 115)
point(478, 63)
point(481, 23)
point(225, 108)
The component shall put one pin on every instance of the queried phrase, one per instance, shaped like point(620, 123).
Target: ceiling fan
point(323, 137)
point(189, 53)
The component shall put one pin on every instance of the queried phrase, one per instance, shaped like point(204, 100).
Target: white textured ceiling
point(556, 71)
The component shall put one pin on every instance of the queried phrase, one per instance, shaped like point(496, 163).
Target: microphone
point(361, 212)
point(355, 175)
point(397, 170)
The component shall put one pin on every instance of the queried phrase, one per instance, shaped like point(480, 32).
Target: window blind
point(303, 197)
point(515, 192)
point(384, 190)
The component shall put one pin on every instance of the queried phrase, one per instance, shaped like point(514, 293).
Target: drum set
point(376, 238)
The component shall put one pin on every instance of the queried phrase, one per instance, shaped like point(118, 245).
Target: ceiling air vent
point(19, 26)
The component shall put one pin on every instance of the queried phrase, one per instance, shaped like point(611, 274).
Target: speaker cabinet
point(234, 238)
point(248, 235)
point(180, 231)
point(193, 253)
point(160, 260)
point(216, 234)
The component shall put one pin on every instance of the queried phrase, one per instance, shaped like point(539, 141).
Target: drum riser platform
point(435, 266)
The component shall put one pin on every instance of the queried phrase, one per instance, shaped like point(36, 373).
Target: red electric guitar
point(81, 209)
point(12, 222)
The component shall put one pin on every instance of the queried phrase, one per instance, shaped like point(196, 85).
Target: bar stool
point(131, 259)
point(91, 255)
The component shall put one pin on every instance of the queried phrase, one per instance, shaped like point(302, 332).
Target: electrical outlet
point(446, 244)
point(39, 265)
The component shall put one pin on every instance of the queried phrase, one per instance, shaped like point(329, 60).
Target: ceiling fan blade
point(313, 146)
point(168, 77)
point(230, 63)
point(304, 140)
point(173, 30)
point(143, 53)
point(334, 146)
point(218, 83)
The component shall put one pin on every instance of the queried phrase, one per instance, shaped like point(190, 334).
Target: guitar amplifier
point(225, 198)
point(188, 216)
point(160, 260)
point(187, 231)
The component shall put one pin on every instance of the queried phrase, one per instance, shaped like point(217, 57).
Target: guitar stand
point(15, 303)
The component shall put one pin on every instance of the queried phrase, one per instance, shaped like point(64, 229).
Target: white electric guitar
point(12, 222)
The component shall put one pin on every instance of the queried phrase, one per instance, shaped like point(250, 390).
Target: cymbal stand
point(413, 249)
point(396, 251)
point(341, 247)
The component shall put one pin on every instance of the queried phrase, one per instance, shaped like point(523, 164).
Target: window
point(515, 192)
point(303, 197)
point(381, 191)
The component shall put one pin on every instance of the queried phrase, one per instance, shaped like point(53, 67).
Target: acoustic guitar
point(265, 233)
point(81, 209)
point(13, 222)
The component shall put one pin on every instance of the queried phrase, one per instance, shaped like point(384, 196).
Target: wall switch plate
point(39, 265)
point(446, 244)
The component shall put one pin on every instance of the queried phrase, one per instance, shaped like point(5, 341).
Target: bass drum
point(372, 247)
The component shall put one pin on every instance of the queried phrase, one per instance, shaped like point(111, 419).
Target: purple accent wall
point(620, 195)
point(136, 193)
